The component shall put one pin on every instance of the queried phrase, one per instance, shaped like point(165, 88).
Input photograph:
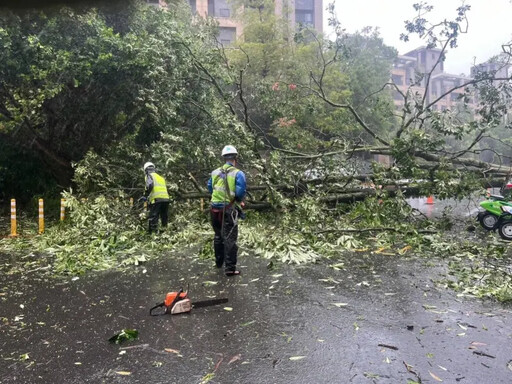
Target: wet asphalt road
point(380, 320)
point(457, 209)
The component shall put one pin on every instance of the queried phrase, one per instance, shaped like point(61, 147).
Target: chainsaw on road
point(179, 302)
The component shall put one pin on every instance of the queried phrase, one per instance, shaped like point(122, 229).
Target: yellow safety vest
point(227, 171)
point(159, 190)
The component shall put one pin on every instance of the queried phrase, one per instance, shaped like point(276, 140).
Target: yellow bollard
point(41, 216)
point(13, 218)
point(62, 209)
point(131, 202)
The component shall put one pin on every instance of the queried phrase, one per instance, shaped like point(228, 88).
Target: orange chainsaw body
point(182, 303)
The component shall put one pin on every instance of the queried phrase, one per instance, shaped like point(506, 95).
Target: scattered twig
point(39, 269)
point(410, 370)
point(335, 326)
point(483, 354)
point(196, 184)
point(388, 346)
point(141, 346)
point(378, 229)
point(218, 363)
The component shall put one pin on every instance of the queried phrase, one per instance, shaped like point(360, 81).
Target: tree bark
point(59, 167)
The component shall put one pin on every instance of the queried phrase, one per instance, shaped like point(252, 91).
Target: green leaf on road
point(124, 335)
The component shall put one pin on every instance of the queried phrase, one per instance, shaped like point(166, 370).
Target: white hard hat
point(148, 164)
point(229, 150)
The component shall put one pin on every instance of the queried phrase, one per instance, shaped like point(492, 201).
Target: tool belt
point(220, 210)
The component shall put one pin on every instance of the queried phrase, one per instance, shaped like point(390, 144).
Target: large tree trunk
point(59, 167)
point(348, 195)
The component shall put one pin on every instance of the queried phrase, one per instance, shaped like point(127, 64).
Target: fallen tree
point(305, 113)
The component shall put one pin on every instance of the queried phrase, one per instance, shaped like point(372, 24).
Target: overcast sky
point(490, 25)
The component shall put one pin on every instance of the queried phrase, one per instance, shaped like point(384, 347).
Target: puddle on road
point(463, 208)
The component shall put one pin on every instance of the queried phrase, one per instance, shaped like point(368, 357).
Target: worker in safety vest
point(227, 185)
point(157, 197)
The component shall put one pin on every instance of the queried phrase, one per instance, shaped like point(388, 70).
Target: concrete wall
point(319, 16)
point(202, 7)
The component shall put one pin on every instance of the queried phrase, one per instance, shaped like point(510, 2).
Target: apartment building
point(499, 69)
point(306, 13)
point(300, 13)
point(413, 67)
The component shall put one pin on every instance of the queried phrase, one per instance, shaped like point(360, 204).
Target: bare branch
point(358, 118)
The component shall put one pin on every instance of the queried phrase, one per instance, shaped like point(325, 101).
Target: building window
point(219, 8)
point(397, 96)
point(397, 79)
point(305, 12)
point(227, 35)
point(256, 4)
point(304, 17)
point(454, 96)
point(305, 5)
point(193, 6)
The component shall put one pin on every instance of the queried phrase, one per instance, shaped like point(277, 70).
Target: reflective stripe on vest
point(219, 186)
point(159, 190)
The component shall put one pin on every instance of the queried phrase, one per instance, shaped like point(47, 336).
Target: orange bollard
point(13, 218)
point(41, 216)
point(430, 200)
point(62, 209)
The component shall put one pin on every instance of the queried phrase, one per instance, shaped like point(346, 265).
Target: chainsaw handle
point(156, 307)
point(169, 308)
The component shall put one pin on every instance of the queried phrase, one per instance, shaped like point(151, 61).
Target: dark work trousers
point(156, 210)
point(225, 225)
